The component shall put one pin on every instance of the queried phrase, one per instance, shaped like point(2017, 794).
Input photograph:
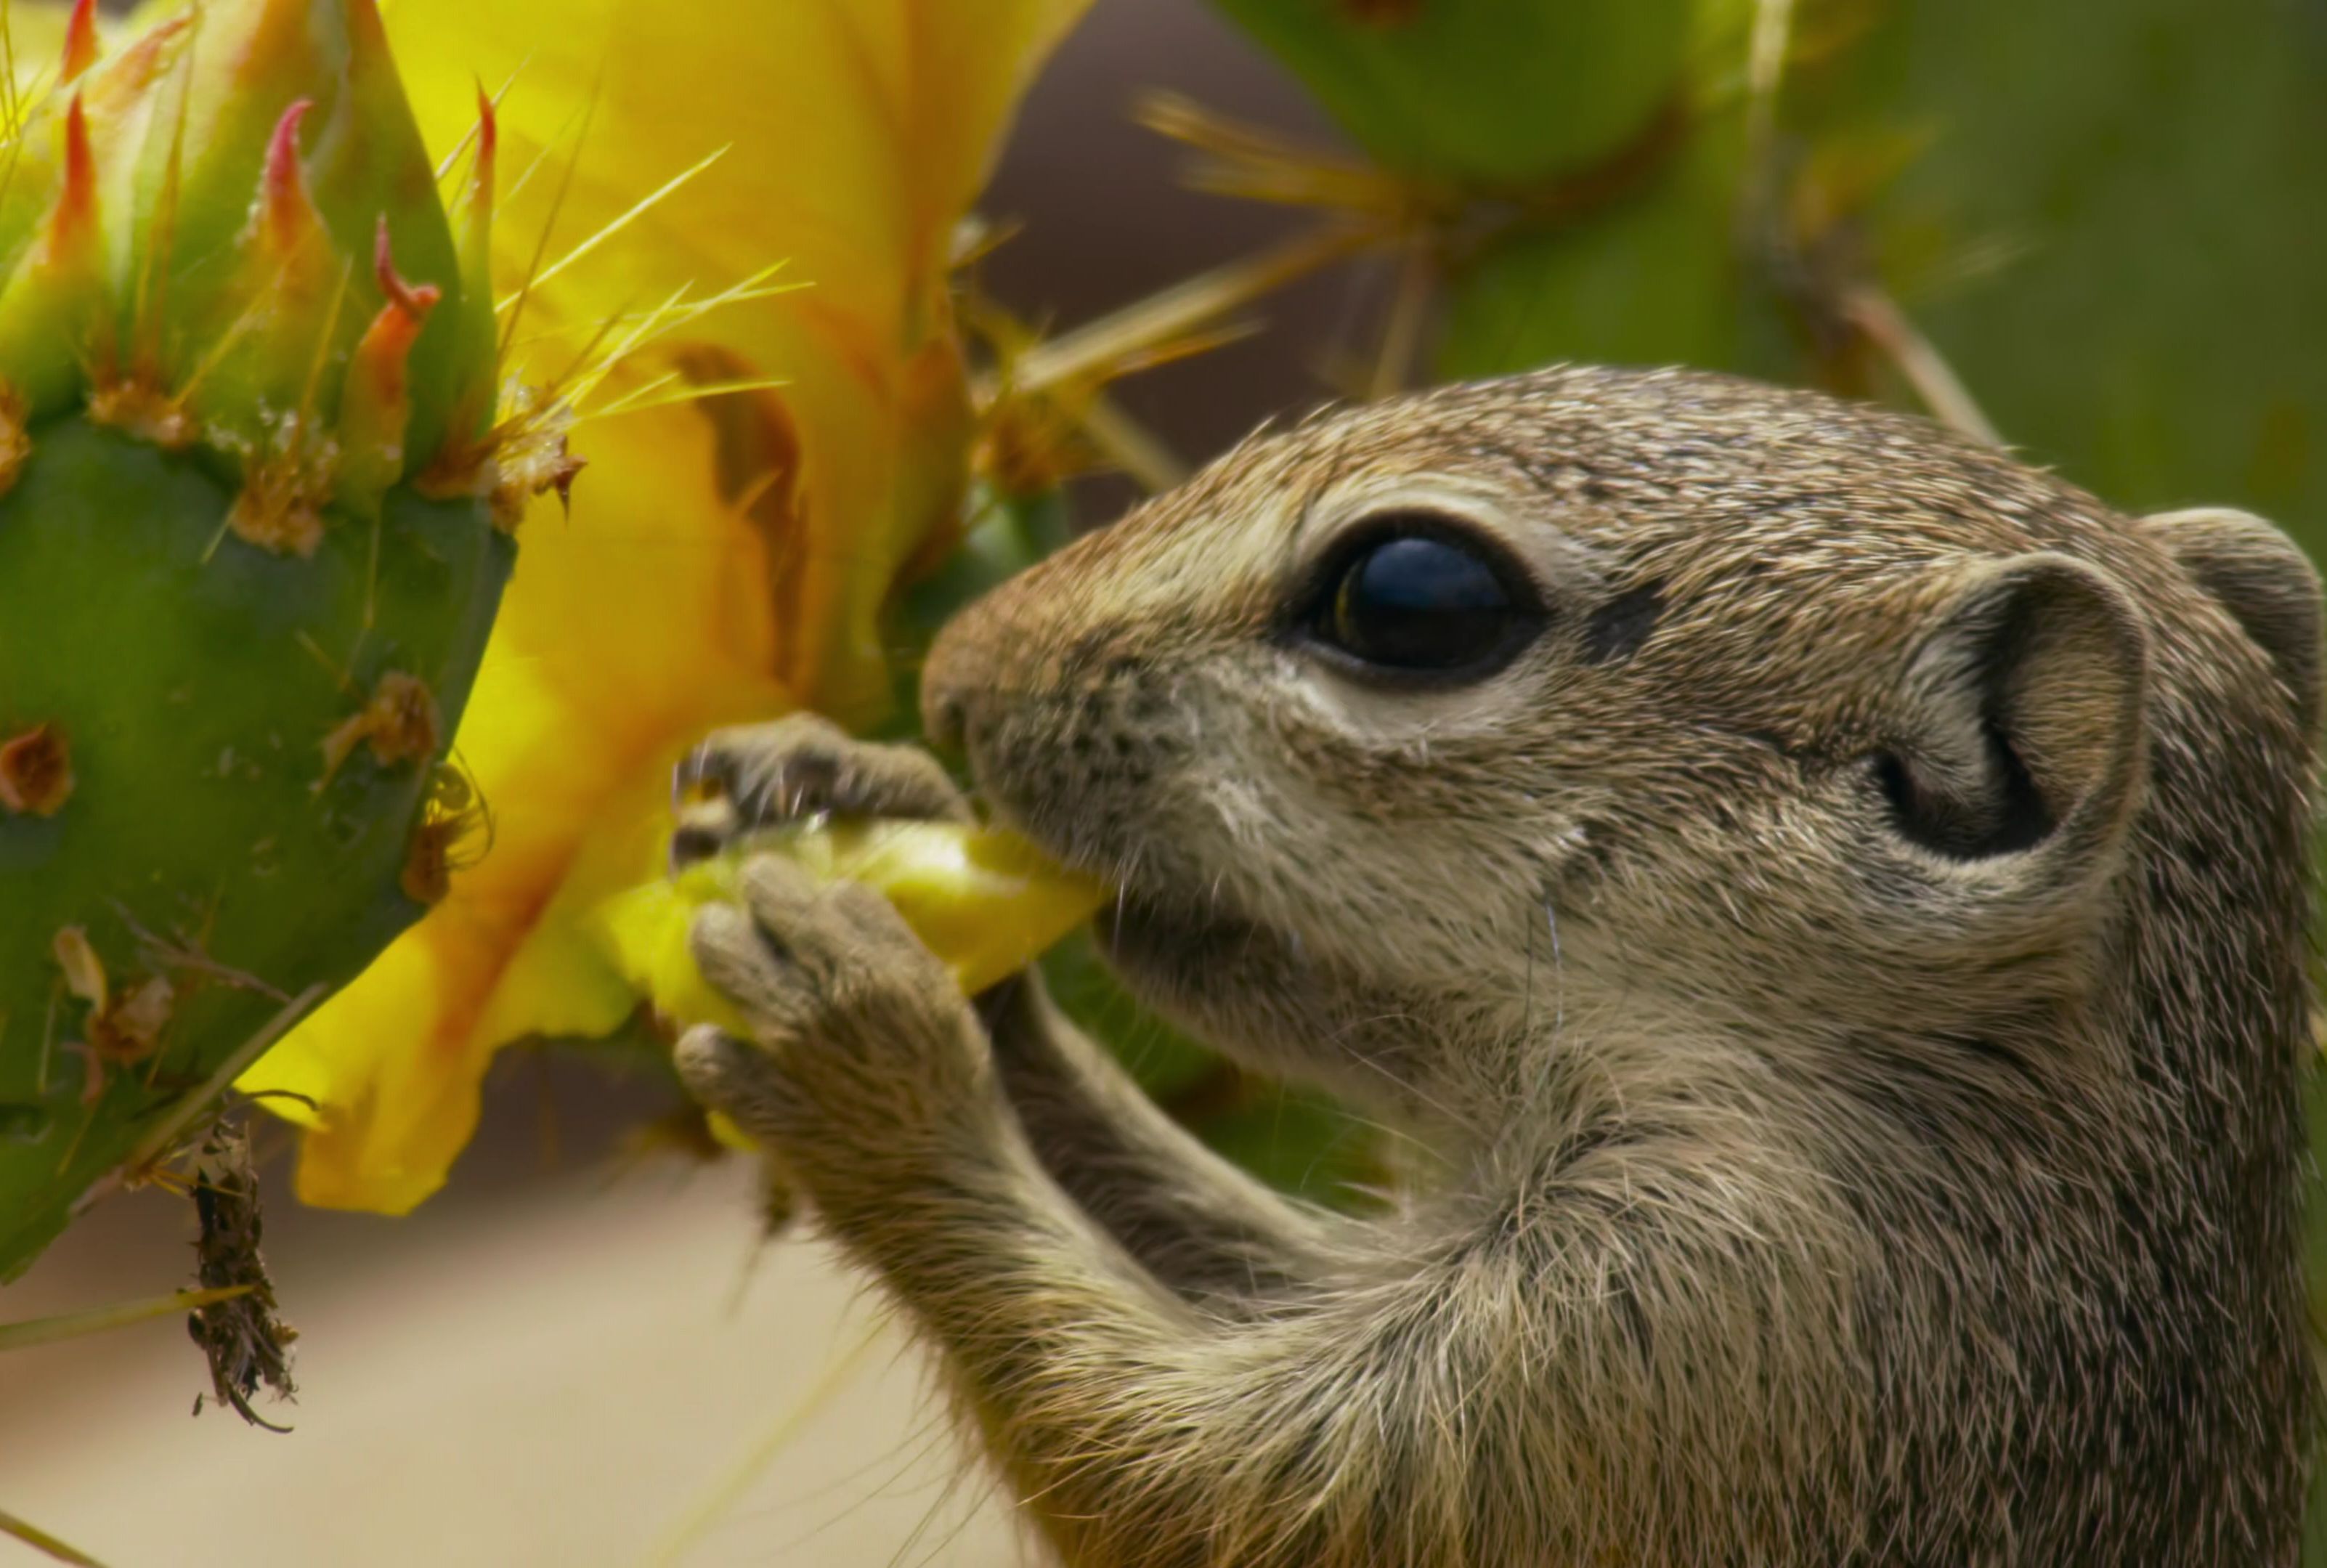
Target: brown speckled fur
point(1797, 1186)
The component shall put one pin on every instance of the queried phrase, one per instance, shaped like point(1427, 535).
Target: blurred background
point(2098, 226)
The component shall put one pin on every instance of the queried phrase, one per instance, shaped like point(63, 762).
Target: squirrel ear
point(2265, 581)
point(2024, 711)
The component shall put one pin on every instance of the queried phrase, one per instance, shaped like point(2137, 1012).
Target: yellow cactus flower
point(726, 558)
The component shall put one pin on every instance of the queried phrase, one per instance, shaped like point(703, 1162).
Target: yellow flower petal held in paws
point(724, 559)
point(985, 902)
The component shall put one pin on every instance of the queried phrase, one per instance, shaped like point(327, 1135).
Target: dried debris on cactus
point(247, 1345)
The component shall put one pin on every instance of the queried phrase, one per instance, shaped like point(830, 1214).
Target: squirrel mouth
point(1172, 950)
point(1130, 929)
point(1166, 943)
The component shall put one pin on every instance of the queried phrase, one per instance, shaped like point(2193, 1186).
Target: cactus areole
point(255, 514)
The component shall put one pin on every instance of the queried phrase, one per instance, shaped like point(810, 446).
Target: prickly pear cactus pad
point(253, 509)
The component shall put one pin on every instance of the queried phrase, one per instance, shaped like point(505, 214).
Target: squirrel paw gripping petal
point(859, 1031)
point(752, 776)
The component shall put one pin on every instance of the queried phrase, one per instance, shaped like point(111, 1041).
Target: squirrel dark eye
point(1423, 600)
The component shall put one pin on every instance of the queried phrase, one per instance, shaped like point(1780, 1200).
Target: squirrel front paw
point(864, 1056)
point(752, 776)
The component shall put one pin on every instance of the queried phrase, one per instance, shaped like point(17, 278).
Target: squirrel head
point(1426, 737)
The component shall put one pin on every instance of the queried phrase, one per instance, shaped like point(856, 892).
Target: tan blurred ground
point(554, 1380)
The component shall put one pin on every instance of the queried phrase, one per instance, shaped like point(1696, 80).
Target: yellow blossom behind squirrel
point(727, 557)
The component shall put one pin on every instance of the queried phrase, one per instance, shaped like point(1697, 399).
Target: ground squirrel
point(1829, 899)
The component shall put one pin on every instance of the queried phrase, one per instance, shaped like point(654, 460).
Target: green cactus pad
point(195, 683)
point(252, 538)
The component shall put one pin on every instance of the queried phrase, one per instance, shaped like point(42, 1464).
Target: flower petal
point(722, 562)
